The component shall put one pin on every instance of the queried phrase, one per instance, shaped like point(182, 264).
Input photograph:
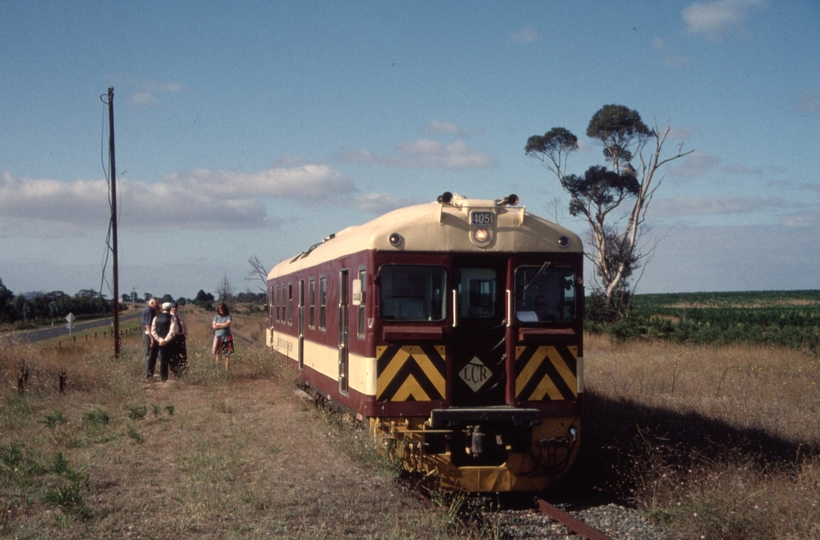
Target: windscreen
point(412, 292)
point(544, 294)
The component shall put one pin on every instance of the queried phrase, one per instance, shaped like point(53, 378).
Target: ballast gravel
point(617, 522)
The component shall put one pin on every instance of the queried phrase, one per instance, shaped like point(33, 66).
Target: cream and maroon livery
point(454, 329)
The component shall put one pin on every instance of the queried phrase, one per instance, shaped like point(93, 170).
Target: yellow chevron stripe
point(427, 367)
point(529, 370)
point(546, 386)
point(564, 370)
point(409, 388)
point(392, 368)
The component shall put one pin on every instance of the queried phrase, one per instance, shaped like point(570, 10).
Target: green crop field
point(775, 318)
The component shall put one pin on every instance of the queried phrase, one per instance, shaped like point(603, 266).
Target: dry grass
point(213, 455)
point(716, 442)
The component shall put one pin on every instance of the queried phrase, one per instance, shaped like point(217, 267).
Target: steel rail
point(562, 517)
point(249, 341)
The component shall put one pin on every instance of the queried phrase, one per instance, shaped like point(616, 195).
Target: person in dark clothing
point(151, 347)
point(179, 356)
point(163, 330)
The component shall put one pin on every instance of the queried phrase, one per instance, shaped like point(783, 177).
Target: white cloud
point(308, 182)
point(144, 99)
point(806, 220)
point(669, 57)
point(698, 206)
point(425, 153)
point(150, 85)
point(721, 19)
point(79, 202)
point(744, 170)
point(144, 91)
point(188, 200)
point(381, 203)
point(696, 164)
point(435, 127)
point(528, 34)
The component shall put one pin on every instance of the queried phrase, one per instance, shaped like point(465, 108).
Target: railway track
point(543, 521)
point(576, 526)
point(248, 341)
point(608, 522)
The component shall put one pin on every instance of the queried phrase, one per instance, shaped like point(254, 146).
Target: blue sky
point(257, 128)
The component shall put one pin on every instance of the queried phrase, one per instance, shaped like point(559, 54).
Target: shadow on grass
point(621, 440)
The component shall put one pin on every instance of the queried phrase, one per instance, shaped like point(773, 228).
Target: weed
point(137, 412)
point(70, 497)
point(12, 456)
point(55, 419)
point(133, 435)
point(96, 418)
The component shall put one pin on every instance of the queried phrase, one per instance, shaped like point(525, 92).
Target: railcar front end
point(455, 333)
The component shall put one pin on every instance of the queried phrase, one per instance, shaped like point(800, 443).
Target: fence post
point(22, 378)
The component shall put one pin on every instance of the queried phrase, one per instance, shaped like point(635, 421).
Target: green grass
point(773, 319)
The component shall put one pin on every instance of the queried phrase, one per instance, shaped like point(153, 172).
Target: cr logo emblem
point(475, 374)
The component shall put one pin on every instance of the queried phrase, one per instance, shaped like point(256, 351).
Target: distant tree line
point(202, 299)
point(50, 306)
point(42, 307)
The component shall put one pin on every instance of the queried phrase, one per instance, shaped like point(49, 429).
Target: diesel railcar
point(453, 329)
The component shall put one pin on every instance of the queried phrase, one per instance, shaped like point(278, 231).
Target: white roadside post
point(70, 318)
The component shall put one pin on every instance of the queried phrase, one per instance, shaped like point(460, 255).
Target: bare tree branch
point(258, 272)
point(224, 290)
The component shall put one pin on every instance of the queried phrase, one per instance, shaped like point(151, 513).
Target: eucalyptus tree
point(599, 194)
point(7, 313)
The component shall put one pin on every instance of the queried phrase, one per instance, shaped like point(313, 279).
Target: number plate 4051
point(481, 218)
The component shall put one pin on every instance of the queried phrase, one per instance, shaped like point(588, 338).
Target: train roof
point(442, 226)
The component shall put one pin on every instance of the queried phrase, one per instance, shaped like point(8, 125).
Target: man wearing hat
point(163, 330)
point(151, 349)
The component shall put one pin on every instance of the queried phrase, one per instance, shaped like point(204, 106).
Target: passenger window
point(312, 303)
point(412, 292)
point(544, 294)
point(360, 315)
point(322, 303)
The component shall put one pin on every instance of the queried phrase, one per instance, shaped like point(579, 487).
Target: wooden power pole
point(114, 221)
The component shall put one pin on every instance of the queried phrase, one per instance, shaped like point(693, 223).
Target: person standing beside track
point(179, 355)
point(223, 340)
point(151, 347)
point(163, 330)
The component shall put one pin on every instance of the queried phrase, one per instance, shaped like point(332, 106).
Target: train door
point(300, 325)
point(343, 331)
point(477, 371)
